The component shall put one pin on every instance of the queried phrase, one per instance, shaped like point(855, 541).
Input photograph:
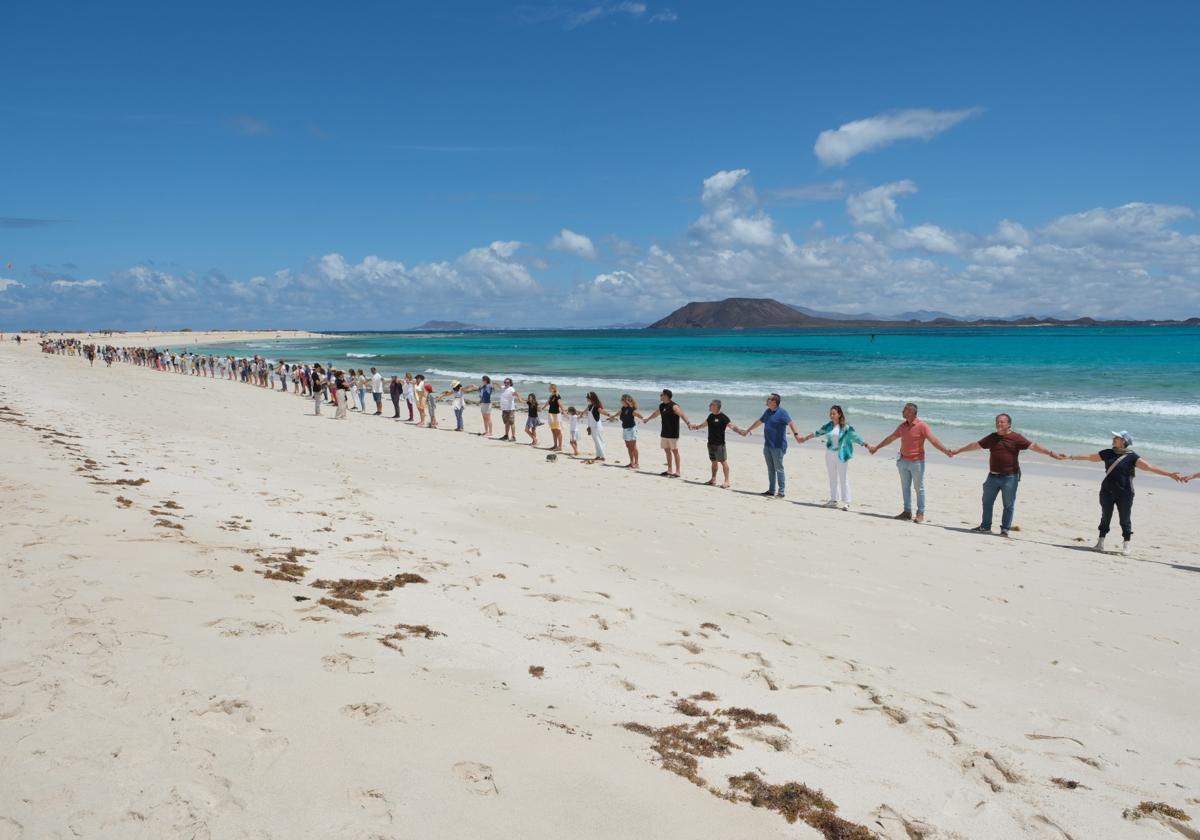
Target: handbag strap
point(1113, 465)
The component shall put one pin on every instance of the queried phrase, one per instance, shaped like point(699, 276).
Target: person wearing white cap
point(457, 402)
point(1116, 488)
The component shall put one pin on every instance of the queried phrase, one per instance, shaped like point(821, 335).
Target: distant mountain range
point(765, 313)
point(445, 326)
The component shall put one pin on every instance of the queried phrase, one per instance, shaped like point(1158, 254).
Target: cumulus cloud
point(877, 206)
point(731, 212)
point(1129, 224)
point(570, 242)
point(90, 283)
point(926, 237)
point(837, 146)
point(6, 283)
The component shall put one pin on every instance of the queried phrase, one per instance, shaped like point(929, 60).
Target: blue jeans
point(912, 474)
point(458, 412)
point(774, 458)
point(1006, 487)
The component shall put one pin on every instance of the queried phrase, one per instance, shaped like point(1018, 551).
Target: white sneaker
point(845, 506)
point(830, 504)
point(1099, 546)
point(1126, 549)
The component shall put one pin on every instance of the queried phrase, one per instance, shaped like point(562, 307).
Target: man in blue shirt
point(775, 422)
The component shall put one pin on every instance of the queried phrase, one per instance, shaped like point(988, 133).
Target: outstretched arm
point(1049, 453)
point(937, 444)
point(651, 417)
point(970, 447)
point(753, 426)
point(1091, 456)
point(1143, 464)
point(882, 443)
point(679, 413)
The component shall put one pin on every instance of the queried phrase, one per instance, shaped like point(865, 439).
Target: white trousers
point(839, 477)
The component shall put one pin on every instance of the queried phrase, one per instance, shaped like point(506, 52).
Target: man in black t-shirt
point(1116, 488)
point(717, 422)
point(671, 414)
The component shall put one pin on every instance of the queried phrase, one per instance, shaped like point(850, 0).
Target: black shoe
point(979, 529)
point(768, 493)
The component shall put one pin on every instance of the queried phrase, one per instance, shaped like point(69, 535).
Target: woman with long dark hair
point(594, 414)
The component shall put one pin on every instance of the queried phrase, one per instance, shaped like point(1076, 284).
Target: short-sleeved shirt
point(1004, 451)
point(508, 399)
point(912, 439)
point(716, 428)
point(485, 393)
point(376, 383)
point(775, 425)
point(1119, 480)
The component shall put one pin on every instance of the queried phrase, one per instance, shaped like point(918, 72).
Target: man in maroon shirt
point(1004, 470)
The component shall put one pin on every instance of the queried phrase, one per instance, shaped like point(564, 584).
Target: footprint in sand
point(235, 627)
point(477, 778)
point(369, 713)
point(200, 573)
point(374, 803)
point(896, 825)
point(345, 663)
point(10, 829)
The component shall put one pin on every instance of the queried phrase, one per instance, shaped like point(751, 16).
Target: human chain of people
point(347, 390)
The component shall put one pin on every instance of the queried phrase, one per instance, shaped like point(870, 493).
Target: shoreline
point(929, 680)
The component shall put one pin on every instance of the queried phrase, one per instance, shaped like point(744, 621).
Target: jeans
point(775, 475)
point(396, 407)
point(1006, 487)
point(912, 473)
point(458, 412)
point(317, 403)
point(1123, 502)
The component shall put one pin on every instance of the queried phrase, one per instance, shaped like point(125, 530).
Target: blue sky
point(586, 163)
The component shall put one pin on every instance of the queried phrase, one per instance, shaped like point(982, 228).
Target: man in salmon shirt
point(913, 433)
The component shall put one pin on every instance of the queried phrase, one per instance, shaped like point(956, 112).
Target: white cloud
point(877, 206)
point(926, 237)
point(1129, 224)
point(731, 213)
point(999, 254)
point(603, 10)
point(665, 16)
point(6, 283)
point(90, 283)
point(1011, 233)
point(570, 242)
point(836, 147)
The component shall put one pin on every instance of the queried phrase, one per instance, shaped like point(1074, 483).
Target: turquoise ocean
point(1066, 387)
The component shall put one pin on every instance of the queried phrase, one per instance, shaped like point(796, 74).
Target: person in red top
point(913, 433)
point(1004, 448)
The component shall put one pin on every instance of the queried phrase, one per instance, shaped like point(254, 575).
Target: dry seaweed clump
point(407, 631)
point(538, 671)
point(681, 746)
point(687, 707)
point(748, 718)
point(341, 606)
point(797, 802)
point(290, 572)
point(1152, 809)
point(353, 589)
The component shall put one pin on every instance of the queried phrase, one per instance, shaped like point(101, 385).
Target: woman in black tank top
point(626, 414)
point(553, 407)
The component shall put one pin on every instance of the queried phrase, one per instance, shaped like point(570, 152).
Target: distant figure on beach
point(595, 426)
point(840, 438)
point(628, 414)
point(410, 394)
point(1004, 447)
point(430, 404)
point(775, 422)
point(341, 394)
point(532, 420)
point(395, 391)
point(573, 429)
point(318, 386)
point(508, 408)
point(668, 439)
point(360, 389)
point(485, 404)
point(553, 408)
point(913, 433)
point(716, 422)
point(1116, 488)
point(419, 393)
point(377, 390)
point(458, 402)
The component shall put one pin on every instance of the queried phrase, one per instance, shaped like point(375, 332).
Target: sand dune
point(224, 617)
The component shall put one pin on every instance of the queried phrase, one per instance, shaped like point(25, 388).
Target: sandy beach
point(535, 649)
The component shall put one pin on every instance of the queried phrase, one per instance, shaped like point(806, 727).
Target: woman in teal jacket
point(840, 438)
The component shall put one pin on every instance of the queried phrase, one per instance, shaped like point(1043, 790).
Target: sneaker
point(905, 515)
point(919, 518)
point(979, 529)
point(1099, 546)
point(1126, 548)
point(1004, 534)
point(845, 506)
point(779, 496)
point(830, 504)
point(768, 493)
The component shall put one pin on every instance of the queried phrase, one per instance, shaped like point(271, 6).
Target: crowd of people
point(415, 396)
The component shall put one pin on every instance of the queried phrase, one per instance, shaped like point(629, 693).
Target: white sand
point(147, 689)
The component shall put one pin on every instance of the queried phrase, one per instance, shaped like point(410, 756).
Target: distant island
point(765, 313)
point(445, 326)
